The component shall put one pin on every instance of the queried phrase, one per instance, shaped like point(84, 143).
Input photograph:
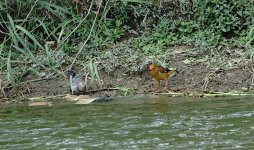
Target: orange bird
point(160, 73)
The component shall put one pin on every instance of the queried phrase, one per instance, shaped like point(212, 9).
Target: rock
point(39, 104)
point(81, 99)
point(69, 97)
point(85, 100)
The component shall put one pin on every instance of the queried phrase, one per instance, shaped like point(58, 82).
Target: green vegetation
point(46, 36)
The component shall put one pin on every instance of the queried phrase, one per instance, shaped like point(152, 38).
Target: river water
point(139, 122)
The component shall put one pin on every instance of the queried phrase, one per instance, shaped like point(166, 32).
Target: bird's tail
point(171, 73)
point(81, 85)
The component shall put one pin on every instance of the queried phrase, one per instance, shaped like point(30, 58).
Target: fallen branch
point(212, 94)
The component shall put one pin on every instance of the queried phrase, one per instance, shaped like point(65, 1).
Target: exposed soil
point(191, 77)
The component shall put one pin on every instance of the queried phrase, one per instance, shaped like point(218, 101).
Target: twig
point(2, 89)
point(29, 81)
point(207, 78)
point(28, 89)
point(206, 81)
point(29, 13)
point(25, 82)
point(90, 33)
point(144, 20)
point(103, 89)
point(35, 80)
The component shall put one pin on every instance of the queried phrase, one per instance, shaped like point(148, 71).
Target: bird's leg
point(166, 86)
point(158, 85)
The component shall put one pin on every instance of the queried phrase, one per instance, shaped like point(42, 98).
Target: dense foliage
point(45, 35)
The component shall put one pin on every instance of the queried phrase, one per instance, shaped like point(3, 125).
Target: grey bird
point(76, 82)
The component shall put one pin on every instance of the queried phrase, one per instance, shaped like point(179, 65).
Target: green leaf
point(11, 21)
point(29, 35)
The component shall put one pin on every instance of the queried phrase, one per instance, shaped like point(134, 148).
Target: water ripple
point(177, 124)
